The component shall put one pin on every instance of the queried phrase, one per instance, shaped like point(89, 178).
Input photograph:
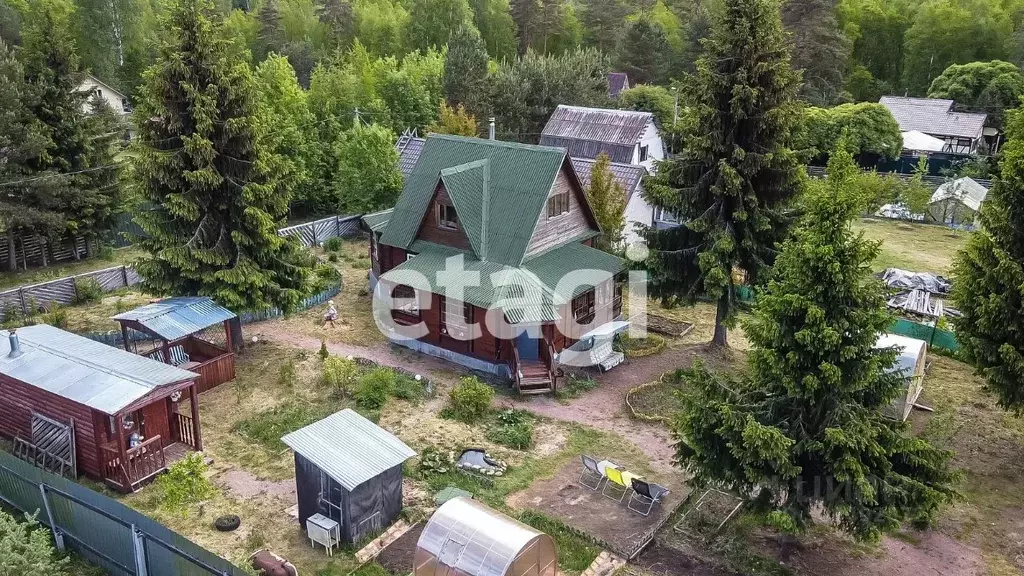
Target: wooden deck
point(143, 463)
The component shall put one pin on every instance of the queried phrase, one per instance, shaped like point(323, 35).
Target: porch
point(126, 469)
point(214, 364)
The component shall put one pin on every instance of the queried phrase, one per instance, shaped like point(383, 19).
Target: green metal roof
point(505, 287)
point(516, 178)
point(378, 220)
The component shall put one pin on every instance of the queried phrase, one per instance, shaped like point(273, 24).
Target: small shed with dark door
point(191, 332)
point(349, 470)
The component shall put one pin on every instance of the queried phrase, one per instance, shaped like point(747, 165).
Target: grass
point(915, 247)
point(267, 427)
point(355, 325)
point(118, 257)
point(575, 551)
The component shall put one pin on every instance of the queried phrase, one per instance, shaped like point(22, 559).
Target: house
point(627, 136)
point(957, 203)
point(102, 91)
point(629, 176)
point(175, 331)
point(116, 414)
point(348, 471)
point(517, 221)
point(617, 82)
point(962, 132)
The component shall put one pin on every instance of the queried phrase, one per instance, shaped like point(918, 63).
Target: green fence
point(107, 533)
point(934, 336)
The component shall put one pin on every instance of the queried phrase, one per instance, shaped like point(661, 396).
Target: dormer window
point(447, 218)
point(645, 153)
point(558, 204)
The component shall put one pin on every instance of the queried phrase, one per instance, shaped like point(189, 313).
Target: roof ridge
point(497, 143)
point(615, 110)
point(466, 167)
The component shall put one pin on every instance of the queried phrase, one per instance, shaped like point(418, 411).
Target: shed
point(178, 327)
point(912, 354)
point(349, 470)
point(118, 411)
point(958, 202)
point(467, 538)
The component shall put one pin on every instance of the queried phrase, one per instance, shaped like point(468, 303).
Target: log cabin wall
point(17, 402)
point(432, 231)
point(554, 231)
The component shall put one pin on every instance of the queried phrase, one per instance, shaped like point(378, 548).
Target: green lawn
point(915, 247)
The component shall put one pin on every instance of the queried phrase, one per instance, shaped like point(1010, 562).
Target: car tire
point(227, 523)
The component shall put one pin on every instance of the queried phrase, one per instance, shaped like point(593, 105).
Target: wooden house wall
point(551, 232)
point(431, 232)
point(17, 402)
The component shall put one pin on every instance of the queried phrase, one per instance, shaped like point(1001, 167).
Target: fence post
point(337, 225)
point(312, 227)
point(58, 537)
point(139, 544)
point(21, 296)
point(124, 274)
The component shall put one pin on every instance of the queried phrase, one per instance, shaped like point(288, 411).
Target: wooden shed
point(106, 413)
point(180, 330)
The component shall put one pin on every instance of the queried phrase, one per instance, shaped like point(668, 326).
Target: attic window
point(558, 205)
point(446, 217)
point(644, 153)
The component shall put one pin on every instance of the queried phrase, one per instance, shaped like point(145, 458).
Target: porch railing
point(140, 464)
point(183, 427)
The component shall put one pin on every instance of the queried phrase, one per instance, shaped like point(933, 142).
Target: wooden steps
point(534, 378)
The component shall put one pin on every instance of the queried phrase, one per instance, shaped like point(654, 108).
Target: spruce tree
point(988, 286)
point(465, 71)
point(203, 159)
point(608, 200)
point(644, 52)
point(271, 34)
point(806, 429)
point(732, 184)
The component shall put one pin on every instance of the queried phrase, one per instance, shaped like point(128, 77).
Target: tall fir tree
point(644, 52)
point(271, 34)
point(526, 14)
point(807, 429)
point(27, 202)
point(988, 275)
point(340, 20)
point(608, 200)
point(466, 70)
point(731, 187)
point(603, 22)
point(819, 48)
point(203, 159)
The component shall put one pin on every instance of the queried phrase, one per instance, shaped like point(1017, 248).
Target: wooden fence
point(35, 250)
point(27, 300)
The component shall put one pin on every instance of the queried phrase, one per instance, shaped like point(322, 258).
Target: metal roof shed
point(349, 470)
point(466, 538)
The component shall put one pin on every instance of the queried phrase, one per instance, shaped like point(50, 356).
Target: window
point(664, 215)
point(373, 247)
point(644, 153)
point(446, 217)
point(558, 205)
point(98, 93)
point(125, 105)
point(617, 296)
point(455, 319)
point(408, 304)
point(583, 307)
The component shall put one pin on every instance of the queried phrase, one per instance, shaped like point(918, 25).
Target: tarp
point(921, 142)
point(907, 280)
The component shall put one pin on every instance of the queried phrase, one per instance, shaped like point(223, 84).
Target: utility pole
point(675, 107)
point(356, 123)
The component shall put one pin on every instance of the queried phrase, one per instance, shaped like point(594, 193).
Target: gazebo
point(174, 325)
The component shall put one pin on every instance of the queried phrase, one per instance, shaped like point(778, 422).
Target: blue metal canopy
point(176, 318)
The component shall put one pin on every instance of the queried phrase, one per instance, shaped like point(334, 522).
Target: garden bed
point(397, 558)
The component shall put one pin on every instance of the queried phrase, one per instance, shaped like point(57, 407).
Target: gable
point(574, 226)
point(430, 229)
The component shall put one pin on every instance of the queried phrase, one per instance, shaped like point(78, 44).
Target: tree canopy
point(989, 87)
point(869, 128)
point(806, 429)
point(608, 200)
point(736, 175)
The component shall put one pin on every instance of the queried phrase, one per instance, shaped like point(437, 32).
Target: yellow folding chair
point(616, 483)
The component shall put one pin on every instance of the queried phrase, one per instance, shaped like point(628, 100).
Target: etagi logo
point(515, 302)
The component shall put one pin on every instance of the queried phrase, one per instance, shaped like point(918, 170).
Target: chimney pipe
point(15, 346)
point(490, 130)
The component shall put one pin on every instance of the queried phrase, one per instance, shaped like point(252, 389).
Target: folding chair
point(646, 494)
point(615, 482)
point(591, 473)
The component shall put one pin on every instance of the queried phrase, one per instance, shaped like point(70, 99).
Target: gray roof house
point(617, 82)
point(961, 131)
point(627, 136)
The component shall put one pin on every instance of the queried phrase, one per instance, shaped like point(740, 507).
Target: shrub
point(340, 375)
point(408, 388)
point(375, 387)
point(333, 244)
point(286, 374)
point(185, 483)
point(267, 427)
point(25, 548)
point(514, 429)
point(332, 258)
point(434, 462)
point(57, 316)
point(87, 290)
point(470, 400)
point(323, 353)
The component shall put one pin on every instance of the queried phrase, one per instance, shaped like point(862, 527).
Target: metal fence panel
point(101, 529)
point(27, 300)
point(316, 232)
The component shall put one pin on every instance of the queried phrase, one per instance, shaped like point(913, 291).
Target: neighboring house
point(957, 203)
point(627, 136)
point(518, 216)
point(117, 101)
point(116, 416)
point(961, 132)
point(617, 82)
point(629, 176)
